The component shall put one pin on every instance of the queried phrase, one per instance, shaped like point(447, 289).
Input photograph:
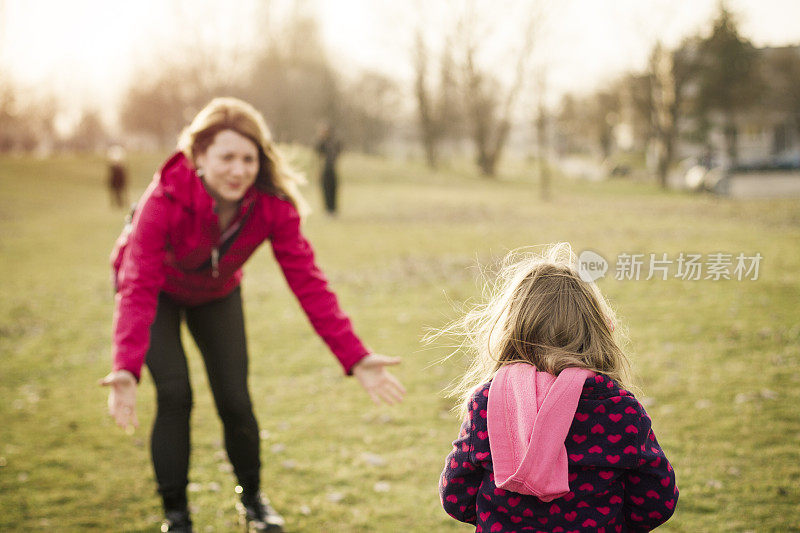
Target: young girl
point(552, 439)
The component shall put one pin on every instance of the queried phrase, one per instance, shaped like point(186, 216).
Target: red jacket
point(171, 247)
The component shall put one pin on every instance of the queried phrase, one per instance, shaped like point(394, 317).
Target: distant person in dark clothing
point(117, 177)
point(328, 148)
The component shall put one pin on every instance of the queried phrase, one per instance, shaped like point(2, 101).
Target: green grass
point(718, 362)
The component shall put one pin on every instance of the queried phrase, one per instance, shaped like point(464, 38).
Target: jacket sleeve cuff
point(349, 362)
point(136, 373)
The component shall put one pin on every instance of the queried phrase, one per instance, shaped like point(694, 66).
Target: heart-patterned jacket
point(618, 476)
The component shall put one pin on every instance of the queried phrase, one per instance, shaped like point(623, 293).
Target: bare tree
point(26, 118)
point(437, 106)
point(90, 135)
point(169, 96)
point(427, 119)
point(293, 81)
point(664, 106)
point(542, 120)
point(489, 104)
point(369, 111)
point(670, 71)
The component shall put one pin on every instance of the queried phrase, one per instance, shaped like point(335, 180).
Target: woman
point(212, 204)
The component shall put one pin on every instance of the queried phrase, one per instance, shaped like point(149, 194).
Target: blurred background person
point(328, 147)
point(117, 176)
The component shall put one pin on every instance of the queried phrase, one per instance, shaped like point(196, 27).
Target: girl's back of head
point(539, 311)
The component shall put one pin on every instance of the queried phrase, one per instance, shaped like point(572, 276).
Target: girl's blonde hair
point(539, 311)
point(275, 176)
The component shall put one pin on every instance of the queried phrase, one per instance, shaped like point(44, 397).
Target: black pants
point(329, 189)
point(218, 330)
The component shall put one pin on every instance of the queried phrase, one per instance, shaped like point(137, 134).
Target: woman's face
point(229, 166)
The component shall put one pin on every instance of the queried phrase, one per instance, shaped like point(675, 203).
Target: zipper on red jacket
point(223, 240)
point(215, 262)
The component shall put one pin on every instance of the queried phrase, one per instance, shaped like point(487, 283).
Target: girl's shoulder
point(601, 394)
point(600, 386)
point(480, 397)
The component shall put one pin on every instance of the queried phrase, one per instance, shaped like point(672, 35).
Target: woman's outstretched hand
point(121, 397)
point(379, 383)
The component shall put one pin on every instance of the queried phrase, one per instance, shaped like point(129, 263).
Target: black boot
point(177, 521)
point(257, 514)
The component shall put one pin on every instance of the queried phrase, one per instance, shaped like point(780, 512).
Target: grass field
point(718, 362)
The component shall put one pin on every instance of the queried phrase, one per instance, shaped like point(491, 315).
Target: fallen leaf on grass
point(334, 497)
point(373, 459)
point(382, 486)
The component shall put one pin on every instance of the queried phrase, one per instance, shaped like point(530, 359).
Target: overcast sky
point(86, 50)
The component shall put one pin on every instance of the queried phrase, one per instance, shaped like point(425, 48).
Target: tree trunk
point(731, 140)
point(541, 140)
